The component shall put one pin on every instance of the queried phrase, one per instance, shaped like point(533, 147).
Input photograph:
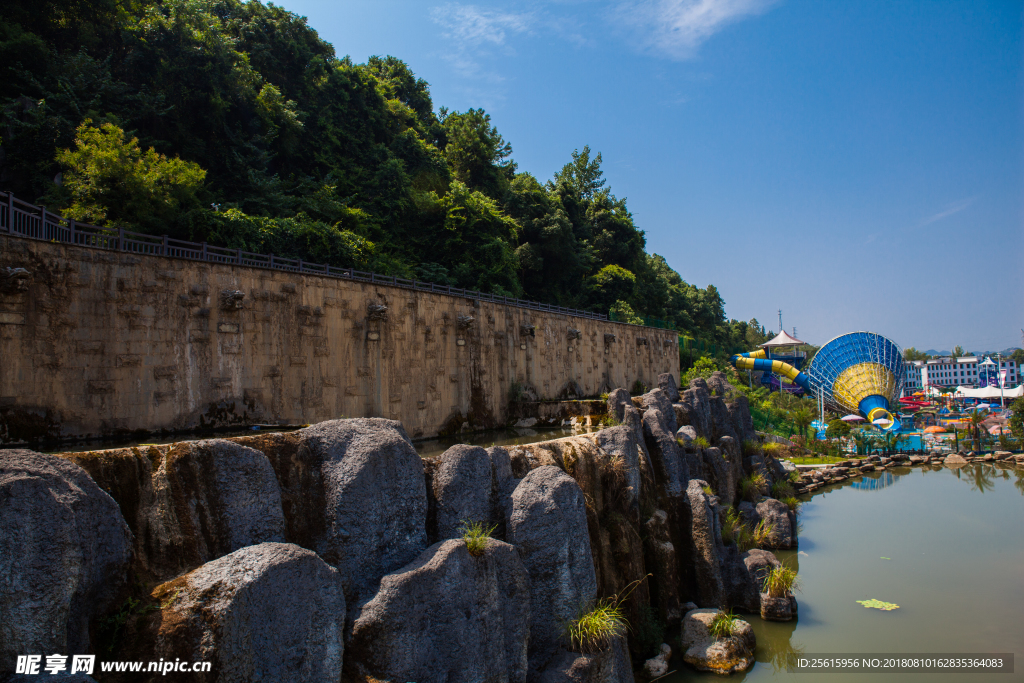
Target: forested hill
point(235, 123)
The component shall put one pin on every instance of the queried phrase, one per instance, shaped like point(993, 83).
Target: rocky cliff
point(336, 553)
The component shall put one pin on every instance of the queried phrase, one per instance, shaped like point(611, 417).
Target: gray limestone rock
point(776, 514)
point(617, 401)
point(503, 483)
point(658, 400)
point(230, 494)
point(660, 559)
point(694, 408)
point(64, 555)
point(374, 497)
point(611, 665)
point(707, 546)
point(686, 434)
point(447, 616)
point(270, 612)
point(667, 383)
point(704, 652)
point(621, 442)
point(548, 524)
point(462, 492)
point(781, 608)
point(757, 563)
point(670, 468)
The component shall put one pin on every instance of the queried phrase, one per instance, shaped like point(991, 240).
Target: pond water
point(954, 540)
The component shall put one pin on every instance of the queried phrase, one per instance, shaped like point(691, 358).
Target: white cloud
point(473, 26)
point(947, 212)
point(676, 28)
point(474, 34)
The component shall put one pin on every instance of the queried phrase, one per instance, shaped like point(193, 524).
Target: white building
point(954, 372)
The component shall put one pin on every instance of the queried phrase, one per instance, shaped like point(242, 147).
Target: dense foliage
point(233, 122)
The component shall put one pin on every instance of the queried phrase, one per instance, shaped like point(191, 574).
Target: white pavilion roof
point(783, 339)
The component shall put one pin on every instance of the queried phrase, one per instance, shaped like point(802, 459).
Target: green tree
point(582, 175)
point(958, 351)
point(1016, 421)
point(802, 417)
point(111, 181)
point(837, 428)
point(609, 285)
point(913, 354)
point(476, 153)
point(623, 313)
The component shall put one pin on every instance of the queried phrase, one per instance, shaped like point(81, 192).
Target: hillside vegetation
point(235, 123)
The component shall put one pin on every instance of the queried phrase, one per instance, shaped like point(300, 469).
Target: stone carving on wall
point(527, 330)
point(609, 338)
point(641, 341)
point(231, 299)
point(14, 280)
point(377, 311)
point(574, 334)
point(464, 321)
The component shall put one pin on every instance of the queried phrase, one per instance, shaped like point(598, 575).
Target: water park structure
point(858, 372)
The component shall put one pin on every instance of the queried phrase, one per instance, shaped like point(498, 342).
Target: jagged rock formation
point(549, 526)
point(272, 611)
point(631, 513)
point(447, 616)
point(64, 553)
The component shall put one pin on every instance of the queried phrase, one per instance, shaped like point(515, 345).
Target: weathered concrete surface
point(102, 342)
point(268, 612)
point(64, 554)
point(447, 616)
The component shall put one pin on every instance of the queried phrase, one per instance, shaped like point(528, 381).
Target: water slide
point(858, 372)
point(757, 360)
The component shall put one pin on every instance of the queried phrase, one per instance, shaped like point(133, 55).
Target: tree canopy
point(234, 122)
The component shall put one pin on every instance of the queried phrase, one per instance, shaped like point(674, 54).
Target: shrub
point(751, 486)
point(638, 389)
point(771, 448)
point(708, 490)
point(792, 502)
point(701, 442)
point(751, 447)
point(724, 625)
point(779, 581)
point(782, 489)
point(476, 537)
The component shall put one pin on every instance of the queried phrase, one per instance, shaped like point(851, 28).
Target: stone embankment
point(814, 477)
point(336, 553)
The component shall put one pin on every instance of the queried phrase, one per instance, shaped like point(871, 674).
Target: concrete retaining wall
point(100, 343)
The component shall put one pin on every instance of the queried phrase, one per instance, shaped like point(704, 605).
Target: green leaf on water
point(886, 558)
point(878, 604)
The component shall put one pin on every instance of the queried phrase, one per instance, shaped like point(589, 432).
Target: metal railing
point(22, 219)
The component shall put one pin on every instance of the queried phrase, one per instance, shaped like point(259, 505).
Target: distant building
point(965, 371)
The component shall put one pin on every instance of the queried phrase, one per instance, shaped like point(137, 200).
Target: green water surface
point(955, 539)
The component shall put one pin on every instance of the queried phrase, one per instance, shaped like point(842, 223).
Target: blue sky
point(859, 165)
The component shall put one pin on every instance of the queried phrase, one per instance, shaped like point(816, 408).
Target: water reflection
point(873, 481)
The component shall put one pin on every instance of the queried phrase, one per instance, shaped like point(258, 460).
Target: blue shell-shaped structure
point(859, 372)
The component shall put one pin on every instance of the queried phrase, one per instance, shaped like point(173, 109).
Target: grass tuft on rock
point(595, 626)
point(751, 486)
point(779, 581)
point(792, 502)
point(724, 625)
point(476, 536)
point(762, 533)
point(701, 442)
